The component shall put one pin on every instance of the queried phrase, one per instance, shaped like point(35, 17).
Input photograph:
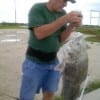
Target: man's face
point(59, 4)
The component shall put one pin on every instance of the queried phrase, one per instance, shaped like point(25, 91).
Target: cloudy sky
point(7, 11)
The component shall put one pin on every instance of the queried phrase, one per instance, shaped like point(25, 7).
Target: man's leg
point(31, 80)
point(50, 85)
point(27, 91)
point(48, 96)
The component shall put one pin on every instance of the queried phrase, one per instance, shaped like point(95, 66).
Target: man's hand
point(74, 17)
point(78, 21)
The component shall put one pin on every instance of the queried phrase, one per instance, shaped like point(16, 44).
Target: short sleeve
point(35, 17)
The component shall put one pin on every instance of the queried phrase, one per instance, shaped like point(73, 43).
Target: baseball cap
point(72, 1)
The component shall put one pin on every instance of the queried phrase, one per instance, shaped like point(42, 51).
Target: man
point(48, 29)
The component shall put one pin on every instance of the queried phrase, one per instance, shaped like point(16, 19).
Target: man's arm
point(72, 26)
point(66, 33)
point(46, 30)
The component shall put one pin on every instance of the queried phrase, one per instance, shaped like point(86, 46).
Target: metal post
point(90, 16)
point(15, 9)
point(99, 18)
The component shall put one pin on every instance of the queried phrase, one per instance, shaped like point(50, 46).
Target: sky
point(7, 10)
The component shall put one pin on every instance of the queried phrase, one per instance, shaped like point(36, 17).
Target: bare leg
point(48, 96)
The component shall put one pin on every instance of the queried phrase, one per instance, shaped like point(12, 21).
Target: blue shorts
point(38, 76)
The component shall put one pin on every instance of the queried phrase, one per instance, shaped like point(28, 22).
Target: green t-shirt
point(40, 15)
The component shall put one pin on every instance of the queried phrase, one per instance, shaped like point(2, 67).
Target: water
point(9, 40)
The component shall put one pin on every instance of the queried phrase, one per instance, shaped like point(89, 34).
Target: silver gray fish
point(73, 59)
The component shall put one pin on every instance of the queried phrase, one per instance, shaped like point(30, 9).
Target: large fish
point(73, 60)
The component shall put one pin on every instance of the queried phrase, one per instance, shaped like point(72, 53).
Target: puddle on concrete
point(9, 40)
point(10, 35)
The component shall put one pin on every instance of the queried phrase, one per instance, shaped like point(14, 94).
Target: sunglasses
point(65, 0)
point(73, 1)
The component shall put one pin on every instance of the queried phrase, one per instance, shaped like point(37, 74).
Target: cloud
point(22, 8)
point(95, 6)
